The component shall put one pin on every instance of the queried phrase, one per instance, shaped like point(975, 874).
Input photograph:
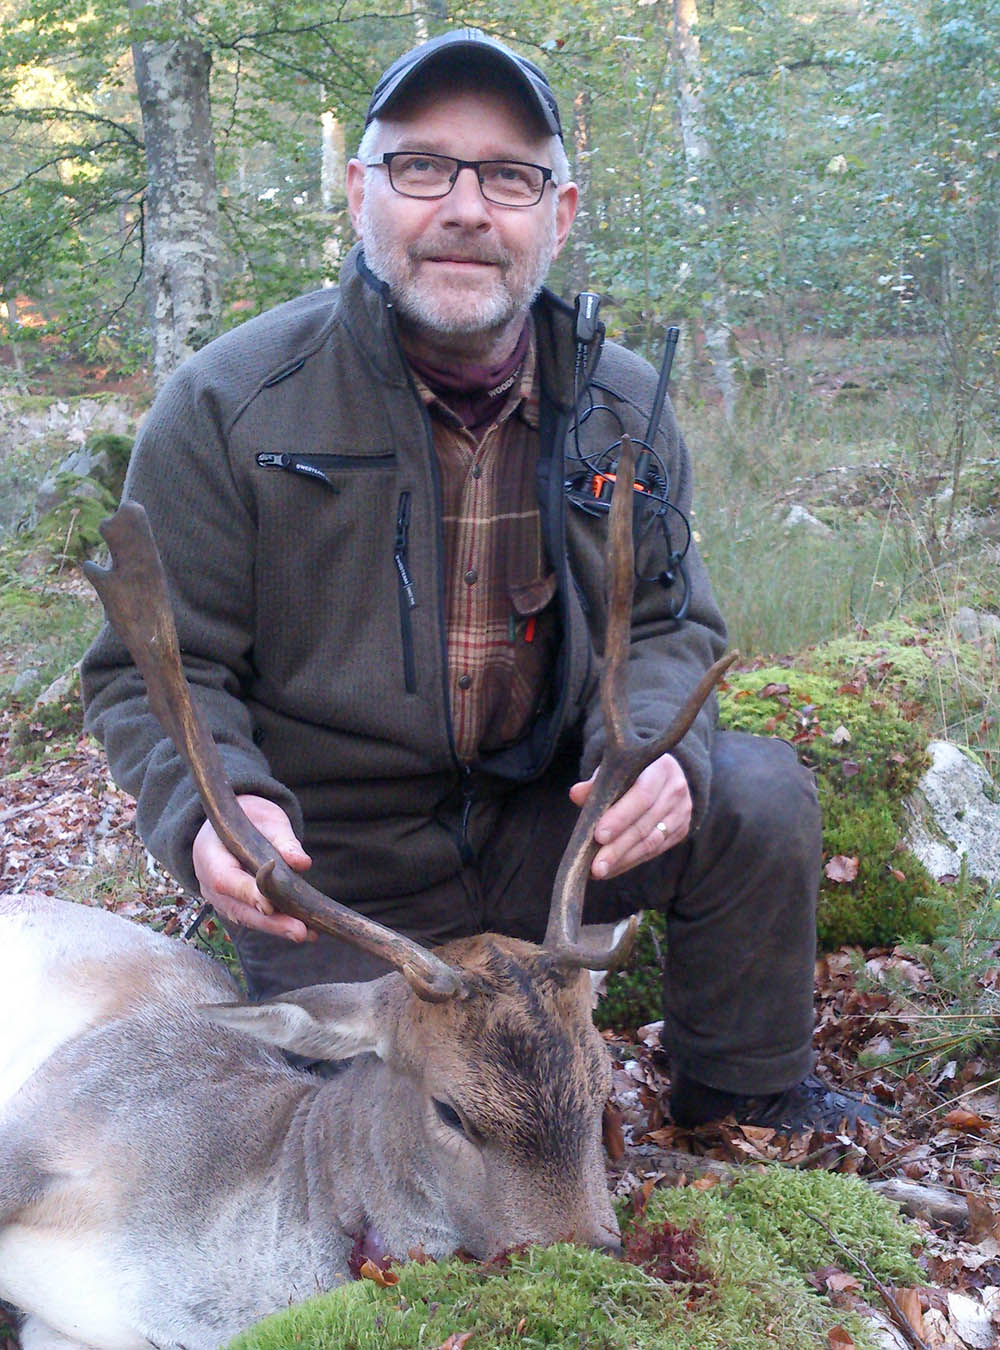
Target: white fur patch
point(78, 1288)
point(52, 986)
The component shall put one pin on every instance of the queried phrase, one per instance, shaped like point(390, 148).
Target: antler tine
point(134, 593)
point(625, 753)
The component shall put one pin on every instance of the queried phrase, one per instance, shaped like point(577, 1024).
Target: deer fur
point(166, 1178)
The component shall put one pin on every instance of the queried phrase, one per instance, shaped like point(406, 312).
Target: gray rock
point(22, 681)
point(63, 687)
point(975, 625)
point(798, 518)
point(955, 811)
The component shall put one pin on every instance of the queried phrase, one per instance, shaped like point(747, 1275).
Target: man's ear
point(569, 197)
point(355, 193)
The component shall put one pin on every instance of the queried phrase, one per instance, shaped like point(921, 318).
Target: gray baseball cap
point(404, 75)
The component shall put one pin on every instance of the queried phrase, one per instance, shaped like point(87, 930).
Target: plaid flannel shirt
point(498, 583)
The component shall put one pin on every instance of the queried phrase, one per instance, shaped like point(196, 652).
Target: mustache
point(468, 251)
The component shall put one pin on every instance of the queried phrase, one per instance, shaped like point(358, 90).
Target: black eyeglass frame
point(385, 161)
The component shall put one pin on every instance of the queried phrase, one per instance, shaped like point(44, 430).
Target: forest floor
point(66, 829)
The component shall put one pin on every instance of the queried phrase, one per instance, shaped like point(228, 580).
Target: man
point(392, 614)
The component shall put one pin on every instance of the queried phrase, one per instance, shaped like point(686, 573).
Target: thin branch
point(84, 115)
point(898, 1316)
point(66, 152)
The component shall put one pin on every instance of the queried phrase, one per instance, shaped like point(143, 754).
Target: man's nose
point(465, 200)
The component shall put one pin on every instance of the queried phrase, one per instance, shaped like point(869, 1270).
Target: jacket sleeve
point(667, 657)
point(180, 472)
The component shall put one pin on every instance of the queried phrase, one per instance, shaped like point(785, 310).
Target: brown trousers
point(739, 899)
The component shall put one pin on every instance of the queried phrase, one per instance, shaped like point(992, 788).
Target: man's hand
point(629, 832)
point(233, 892)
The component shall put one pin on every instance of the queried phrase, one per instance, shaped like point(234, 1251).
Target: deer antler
point(134, 593)
point(625, 754)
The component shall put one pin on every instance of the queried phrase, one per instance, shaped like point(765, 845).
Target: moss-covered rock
point(742, 1285)
point(867, 758)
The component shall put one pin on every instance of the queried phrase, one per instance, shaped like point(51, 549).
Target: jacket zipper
point(407, 598)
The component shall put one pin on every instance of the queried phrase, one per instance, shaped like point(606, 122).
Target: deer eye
point(449, 1116)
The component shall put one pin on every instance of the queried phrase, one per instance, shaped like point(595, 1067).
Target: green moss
point(861, 781)
point(71, 529)
point(118, 450)
point(919, 666)
point(753, 1241)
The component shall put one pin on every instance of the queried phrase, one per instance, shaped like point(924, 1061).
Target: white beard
point(452, 305)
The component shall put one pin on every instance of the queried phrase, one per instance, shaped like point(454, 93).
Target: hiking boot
point(808, 1105)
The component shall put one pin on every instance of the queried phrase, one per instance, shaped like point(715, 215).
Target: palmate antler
point(625, 753)
point(134, 593)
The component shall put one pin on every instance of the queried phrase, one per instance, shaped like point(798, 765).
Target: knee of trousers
point(762, 796)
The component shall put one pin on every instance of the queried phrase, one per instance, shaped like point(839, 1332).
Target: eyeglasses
point(505, 182)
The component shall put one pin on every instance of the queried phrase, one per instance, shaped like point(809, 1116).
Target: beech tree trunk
point(697, 154)
point(182, 251)
point(580, 237)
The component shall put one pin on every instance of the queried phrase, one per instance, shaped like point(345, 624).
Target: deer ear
point(325, 1021)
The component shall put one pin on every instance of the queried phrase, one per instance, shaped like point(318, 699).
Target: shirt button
point(465, 681)
point(471, 577)
point(477, 471)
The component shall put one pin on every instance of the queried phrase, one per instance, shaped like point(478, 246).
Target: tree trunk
point(181, 244)
point(580, 238)
point(697, 154)
point(333, 193)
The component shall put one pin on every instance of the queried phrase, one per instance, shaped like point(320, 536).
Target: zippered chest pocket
point(323, 466)
point(335, 576)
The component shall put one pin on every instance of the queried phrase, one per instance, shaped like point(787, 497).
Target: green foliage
point(861, 783)
point(43, 630)
point(633, 996)
point(754, 1240)
point(34, 732)
point(962, 961)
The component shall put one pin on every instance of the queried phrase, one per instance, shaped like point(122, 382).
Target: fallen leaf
point(908, 1302)
point(614, 1136)
point(838, 1339)
point(960, 1119)
point(984, 1222)
point(841, 736)
point(383, 1278)
point(971, 1320)
point(841, 1280)
point(456, 1340)
point(849, 767)
point(841, 868)
point(772, 690)
point(705, 1183)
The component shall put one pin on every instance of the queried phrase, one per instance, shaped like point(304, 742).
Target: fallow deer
point(166, 1178)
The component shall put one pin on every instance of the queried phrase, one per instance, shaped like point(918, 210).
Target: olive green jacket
point(288, 473)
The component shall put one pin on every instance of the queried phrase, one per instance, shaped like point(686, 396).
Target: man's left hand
point(652, 816)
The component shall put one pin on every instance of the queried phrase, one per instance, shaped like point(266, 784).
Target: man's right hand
point(232, 891)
